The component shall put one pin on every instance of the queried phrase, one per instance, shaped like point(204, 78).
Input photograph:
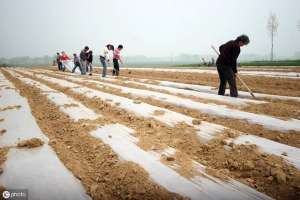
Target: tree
point(272, 27)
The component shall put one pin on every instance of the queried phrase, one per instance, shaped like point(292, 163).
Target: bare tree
point(272, 27)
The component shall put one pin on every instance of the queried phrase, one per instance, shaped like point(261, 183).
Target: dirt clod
point(137, 102)
point(249, 165)
point(70, 105)
point(31, 143)
point(159, 112)
point(170, 158)
point(284, 154)
point(279, 175)
point(2, 131)
point(196, 121)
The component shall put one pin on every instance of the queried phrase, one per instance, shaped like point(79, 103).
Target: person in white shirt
point(105, 57)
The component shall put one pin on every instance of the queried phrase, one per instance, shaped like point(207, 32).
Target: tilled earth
point(105, 175)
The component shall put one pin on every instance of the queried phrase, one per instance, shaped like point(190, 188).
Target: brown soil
point(159, 112)
point(70, 105)
point(98, 69)
point(137, 86)
point(3, 153)
point(3, 157)
point(277, 108)
point(154, 135)
point(31, 143)
point(183, 161)
point(268, 68)
point(2, 131)
point(291, 138)
point(103, 175)
point(257, 170)
point(278, 86)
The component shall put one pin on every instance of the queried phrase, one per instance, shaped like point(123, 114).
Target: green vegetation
point(4, 65)
point(272, 63)
point(263, 63)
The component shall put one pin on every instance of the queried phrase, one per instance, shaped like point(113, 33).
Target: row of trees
point(272, 27)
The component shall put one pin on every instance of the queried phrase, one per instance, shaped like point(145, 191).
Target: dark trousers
point(59, 64)
point(89, 67)
point(116, 67)
point(77, 64)
point(63, 67)
point(227, 75)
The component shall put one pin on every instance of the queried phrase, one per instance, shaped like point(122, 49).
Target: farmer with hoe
point(227, 64)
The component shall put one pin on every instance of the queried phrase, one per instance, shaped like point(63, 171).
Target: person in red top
point(64, 59)
point(64, 56)
point(116, 59)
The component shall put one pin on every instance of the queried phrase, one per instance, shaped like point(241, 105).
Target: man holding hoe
point(227, 64)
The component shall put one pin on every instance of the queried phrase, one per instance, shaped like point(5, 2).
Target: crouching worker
point(76, 61)
point(227, 64)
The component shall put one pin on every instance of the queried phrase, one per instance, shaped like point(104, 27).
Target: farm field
point(150, 134)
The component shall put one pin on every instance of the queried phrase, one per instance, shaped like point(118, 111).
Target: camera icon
point(6, 194)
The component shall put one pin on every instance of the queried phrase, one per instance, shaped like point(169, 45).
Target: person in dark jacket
point(58, 61)
point(89, 62)
point(227, 64)
point(83, 59)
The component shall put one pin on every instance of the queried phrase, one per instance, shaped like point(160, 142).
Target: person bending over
point(116, 59)
point(227, 64)
point(83, 59)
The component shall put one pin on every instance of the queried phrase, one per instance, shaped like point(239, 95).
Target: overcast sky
point(144, 27)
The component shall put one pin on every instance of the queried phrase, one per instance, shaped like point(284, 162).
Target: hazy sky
point(144, 27)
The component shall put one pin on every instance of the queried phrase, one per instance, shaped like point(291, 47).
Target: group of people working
point(226, 62)
point(85, 59)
